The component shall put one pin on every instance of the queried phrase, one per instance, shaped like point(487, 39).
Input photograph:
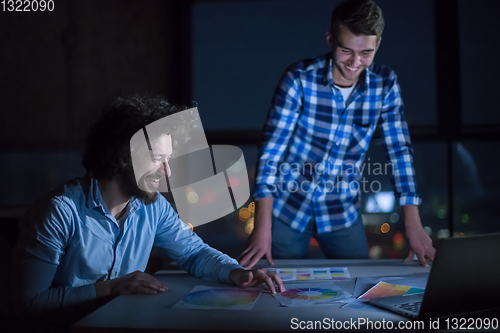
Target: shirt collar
point(327, 76)
point(94, 198)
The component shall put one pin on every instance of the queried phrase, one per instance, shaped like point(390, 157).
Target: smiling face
point(153, 166)
point(157, 167)
point(351, 55)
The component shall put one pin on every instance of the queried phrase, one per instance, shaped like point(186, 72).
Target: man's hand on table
point(133, 283)
point(420, 242)
point(259, 245)
point(260, 242)
point(254, 277)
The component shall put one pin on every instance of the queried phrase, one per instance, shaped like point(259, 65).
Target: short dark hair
point(361, 17)
point(107, 152)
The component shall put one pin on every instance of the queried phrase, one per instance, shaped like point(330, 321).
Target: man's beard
point(129, 186)
point(343, 72)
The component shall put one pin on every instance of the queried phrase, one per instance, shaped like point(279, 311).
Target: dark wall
point(241, 48)
point(59, 68)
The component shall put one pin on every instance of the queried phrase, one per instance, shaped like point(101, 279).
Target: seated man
point(92, 236)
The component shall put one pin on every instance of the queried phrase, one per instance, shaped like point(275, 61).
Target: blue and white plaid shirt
point(314, 144)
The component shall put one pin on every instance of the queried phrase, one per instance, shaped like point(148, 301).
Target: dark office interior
point(59, 68)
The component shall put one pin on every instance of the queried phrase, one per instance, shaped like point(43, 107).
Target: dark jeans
point(346, 243)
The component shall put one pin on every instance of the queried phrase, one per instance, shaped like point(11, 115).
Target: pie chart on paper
point(309, 293)
point(203, 297)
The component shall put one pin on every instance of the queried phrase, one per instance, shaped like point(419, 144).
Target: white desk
point(154, 312)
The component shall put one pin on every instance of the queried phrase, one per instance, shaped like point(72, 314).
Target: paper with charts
point(203, 297)
point(311, 294)
point(383, 289)
point(304, 274)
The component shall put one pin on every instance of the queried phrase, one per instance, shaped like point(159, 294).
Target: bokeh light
point(192, 197)
point(234, 182)
point(245, 214)
point(251, 207)
point(210, 196)
point(375, 252)
point(394, 218)
point(385, 228)
point(443, 233)
point(249, 226)
point(398, 240)
point(465, 219)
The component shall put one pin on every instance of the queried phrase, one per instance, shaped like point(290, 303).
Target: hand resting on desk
point(133, 283)
point(254, 277)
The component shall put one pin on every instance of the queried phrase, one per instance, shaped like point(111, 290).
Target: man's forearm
point(411, 215)
point(263, 213)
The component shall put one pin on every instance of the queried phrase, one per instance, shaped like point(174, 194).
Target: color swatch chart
point(304, 274)
point(311, 294)
point(383, 289)
point(203, 297)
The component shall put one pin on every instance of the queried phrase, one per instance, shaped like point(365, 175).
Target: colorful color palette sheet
point(311, 294)
point(203, 297)
point(304, 274)
point(383, 289)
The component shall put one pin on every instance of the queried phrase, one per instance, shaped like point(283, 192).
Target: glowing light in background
point(210, 197)
point(441, 213)
point(245, 214)
point(192, 197)
point(249, 226)
point(381, 202)
point(428, 231)
point(234, 182)
point(394, 218)
point(314, 242)
point(251, 207)
point(465, 219)
point(443, 233)
point(398, 240)
point(375, 252)
point(385, 228)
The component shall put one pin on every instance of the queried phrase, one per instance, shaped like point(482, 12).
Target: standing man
point(323, 116)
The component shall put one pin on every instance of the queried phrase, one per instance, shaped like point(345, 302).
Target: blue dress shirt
point(70, 240)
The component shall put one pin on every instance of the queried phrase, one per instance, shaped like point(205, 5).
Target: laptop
point(464, 279)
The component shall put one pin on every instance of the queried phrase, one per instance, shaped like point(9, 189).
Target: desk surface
point(139, 312)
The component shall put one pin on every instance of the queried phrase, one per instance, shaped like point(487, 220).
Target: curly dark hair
point(361, 17)
point(107, 153)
